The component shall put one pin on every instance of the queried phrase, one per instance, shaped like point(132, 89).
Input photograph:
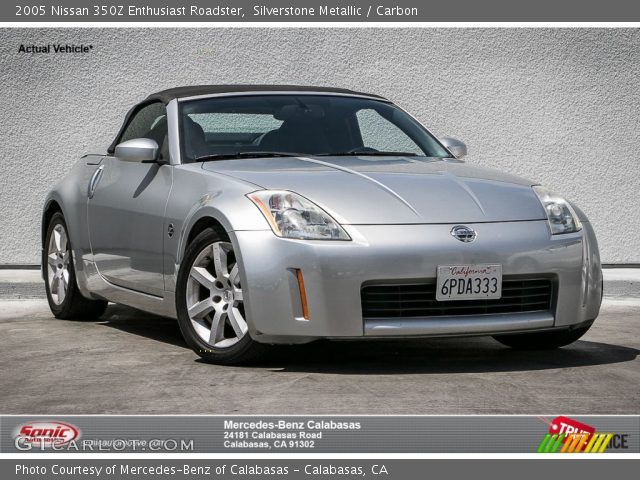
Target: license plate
point(468, 282)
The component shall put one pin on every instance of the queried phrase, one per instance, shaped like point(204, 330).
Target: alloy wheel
point(214, 296)
point(58, 256)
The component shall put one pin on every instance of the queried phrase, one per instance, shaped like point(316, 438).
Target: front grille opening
point(519, 295)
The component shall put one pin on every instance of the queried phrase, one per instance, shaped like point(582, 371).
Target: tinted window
point(300, 124)
point(149, 122)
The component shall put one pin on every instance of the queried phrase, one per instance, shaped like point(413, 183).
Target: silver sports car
point(260, 215)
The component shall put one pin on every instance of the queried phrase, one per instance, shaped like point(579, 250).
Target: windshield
point(281, 125)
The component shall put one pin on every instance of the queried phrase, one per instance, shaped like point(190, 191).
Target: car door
point(126, 209)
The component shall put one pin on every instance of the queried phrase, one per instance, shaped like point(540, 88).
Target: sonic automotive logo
point(45, 434)
point(61, 436)
point(570, 436)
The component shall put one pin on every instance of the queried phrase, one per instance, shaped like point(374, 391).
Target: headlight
point(562, 218)
point(293, 216)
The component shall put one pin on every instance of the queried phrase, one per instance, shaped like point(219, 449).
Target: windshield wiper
point(369, 154)
point(234, 155)
point(237, 155)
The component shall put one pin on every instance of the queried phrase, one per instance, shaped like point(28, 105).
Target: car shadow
point(439, 356)
point(137, 322)
point(380, 357)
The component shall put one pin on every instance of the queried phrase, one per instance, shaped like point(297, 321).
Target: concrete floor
point(130, 362)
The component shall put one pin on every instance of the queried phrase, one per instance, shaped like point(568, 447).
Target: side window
point(148, 122)
point(379, 133)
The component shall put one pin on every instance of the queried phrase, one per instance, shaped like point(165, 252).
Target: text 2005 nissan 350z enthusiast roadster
point(261, 214)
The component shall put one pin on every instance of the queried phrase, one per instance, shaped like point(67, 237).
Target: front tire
point(542, 340)
point(64, 297)
point(210, 302)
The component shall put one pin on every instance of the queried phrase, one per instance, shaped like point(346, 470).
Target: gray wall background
point(559, 106)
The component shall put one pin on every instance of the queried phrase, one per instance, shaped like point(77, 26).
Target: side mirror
point(142, 150)
point(457, 147)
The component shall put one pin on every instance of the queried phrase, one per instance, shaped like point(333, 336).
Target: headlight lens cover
point(561, 216)
point(292, 216)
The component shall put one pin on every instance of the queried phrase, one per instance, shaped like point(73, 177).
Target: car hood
point(393, 190)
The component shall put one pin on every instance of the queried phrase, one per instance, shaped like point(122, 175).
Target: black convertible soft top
point(166, 96)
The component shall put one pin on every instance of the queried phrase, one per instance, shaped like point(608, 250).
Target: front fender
point(198, 195)
point(200, 212)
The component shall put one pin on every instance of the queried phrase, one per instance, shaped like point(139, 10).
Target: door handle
point(95, 179)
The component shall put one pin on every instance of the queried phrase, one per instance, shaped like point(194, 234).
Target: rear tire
point(210, 305)
point(542, 340)
point(64, 297)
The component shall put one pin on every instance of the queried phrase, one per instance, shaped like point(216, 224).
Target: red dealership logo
point(46, 433)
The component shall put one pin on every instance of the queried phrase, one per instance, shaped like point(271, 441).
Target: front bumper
point(334, 273)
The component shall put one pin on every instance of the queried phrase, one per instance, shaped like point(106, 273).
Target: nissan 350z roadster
point(260, 214)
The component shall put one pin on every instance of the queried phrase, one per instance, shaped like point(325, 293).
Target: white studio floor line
point(20, 276)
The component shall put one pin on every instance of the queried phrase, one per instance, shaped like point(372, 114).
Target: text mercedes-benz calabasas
point(260, 215)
